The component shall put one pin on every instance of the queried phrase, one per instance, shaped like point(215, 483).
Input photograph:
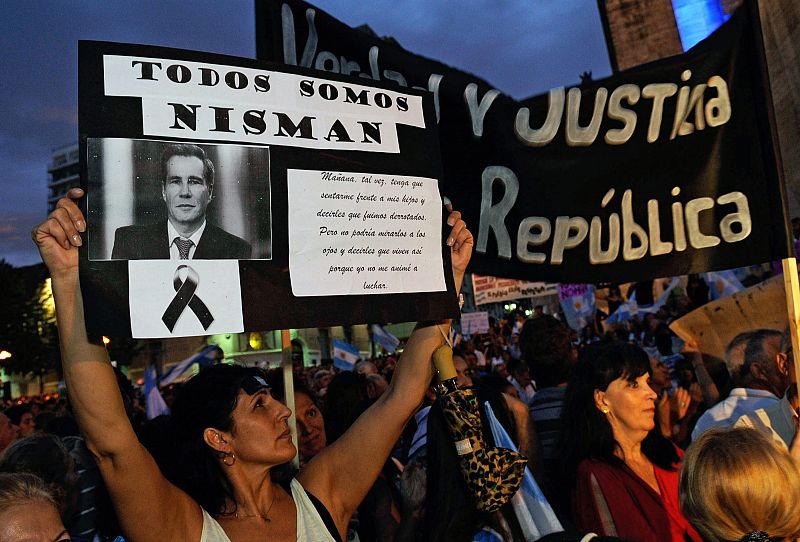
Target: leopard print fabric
point(493, 475)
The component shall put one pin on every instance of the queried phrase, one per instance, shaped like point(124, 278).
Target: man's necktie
point(183, 247)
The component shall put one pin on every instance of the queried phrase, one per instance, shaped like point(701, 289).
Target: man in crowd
point(187, 187)
point(8, 432)
point(547, 348)
point(758, 379)
point(520, 378)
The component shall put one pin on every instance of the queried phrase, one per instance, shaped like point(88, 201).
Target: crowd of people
point(627, 437)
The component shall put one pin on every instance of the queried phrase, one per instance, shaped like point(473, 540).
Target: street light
point(4, 355)
point(106, 340)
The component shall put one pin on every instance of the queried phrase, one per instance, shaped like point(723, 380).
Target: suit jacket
point(150, 242)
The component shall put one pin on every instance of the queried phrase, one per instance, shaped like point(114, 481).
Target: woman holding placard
point(230, 430)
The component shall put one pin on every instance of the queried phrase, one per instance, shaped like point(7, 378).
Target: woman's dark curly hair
point(207, 400)
point(586, 432)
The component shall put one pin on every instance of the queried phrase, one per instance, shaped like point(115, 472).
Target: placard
point(208, 181)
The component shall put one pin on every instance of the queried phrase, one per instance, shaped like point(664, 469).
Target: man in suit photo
point(187, 187)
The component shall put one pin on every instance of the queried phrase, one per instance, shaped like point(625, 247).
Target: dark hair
point(16, 412)
point(187, 149)
point(586, 432)
point(756, 353)
point(206, 400)
point(45, 456)
point(62, 426)
point(345, 400)
point(274, 378)
point(547, 347)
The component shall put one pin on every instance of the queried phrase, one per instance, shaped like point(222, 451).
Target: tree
point(27, 323)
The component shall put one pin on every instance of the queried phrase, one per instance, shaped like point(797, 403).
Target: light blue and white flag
point(204, 357)
point(155, 404)
point(722, 284)
point(388, 341)
point(535, 515)
point(578, 304)
point(345, 355)
point(631, 309)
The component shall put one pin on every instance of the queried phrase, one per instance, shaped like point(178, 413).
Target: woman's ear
point(216, 440)
point(600, 401)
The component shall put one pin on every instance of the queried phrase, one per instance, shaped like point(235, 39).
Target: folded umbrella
point(492, 475)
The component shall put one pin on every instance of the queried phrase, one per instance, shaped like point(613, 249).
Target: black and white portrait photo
point(159, 200)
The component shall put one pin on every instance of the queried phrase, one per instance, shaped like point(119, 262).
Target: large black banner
point(661, 170)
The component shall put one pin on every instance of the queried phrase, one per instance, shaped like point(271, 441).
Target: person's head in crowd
point(8, 432)
point(28, 511)
point(187, 185)
point(43, 418)
point(499, 367)
point(660, 380)
point(225, 419)
point(538, 310)
point(766, 364)
point(311, 437)
point(734, 354)
point(664, 340)
point(366, 367)
point(520, 371)
point(45, 456)
point(345, 401)
point(22, 417)
point(463, 370)
point(684, 373)
point(322, 380)
point(376, 386)
point(547, 347)
point(736, 483)
point(610, 403)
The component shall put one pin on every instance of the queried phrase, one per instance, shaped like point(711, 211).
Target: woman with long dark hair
point(624, 474)
point(230, 432)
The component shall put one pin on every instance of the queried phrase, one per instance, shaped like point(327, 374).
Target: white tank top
point(310, 527)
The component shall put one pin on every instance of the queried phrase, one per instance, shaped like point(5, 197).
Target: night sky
point(522, 47)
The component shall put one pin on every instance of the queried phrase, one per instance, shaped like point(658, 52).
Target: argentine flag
point(535, 515)
point(154, 402)
point(345, 355)
point(203, 357)
point(388, 341)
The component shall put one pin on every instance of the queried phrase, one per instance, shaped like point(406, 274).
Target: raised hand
point(58, 237)
point(460, 242)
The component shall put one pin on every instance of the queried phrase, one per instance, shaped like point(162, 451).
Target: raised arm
point(149, 507)
point(342, 473)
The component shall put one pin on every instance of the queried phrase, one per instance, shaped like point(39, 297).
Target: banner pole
point(792, 287)
point(288, 388)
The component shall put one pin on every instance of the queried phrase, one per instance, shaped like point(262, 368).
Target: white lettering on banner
point(691, 101)
point(625, 235)
point(691, 104)
point(231, 103)
point(360, 233)
point(330, 62)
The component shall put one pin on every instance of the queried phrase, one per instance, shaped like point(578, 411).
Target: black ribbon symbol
point(185, 296)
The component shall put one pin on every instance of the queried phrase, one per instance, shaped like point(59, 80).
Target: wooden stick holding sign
point(792, 286)
point(288, 389)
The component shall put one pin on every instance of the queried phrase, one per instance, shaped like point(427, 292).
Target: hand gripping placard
point(185, 296)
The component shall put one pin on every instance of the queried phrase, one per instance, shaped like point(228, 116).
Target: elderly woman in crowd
point(736, 486)
point(228, 430)
point(28, 510)
point(625, 473)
